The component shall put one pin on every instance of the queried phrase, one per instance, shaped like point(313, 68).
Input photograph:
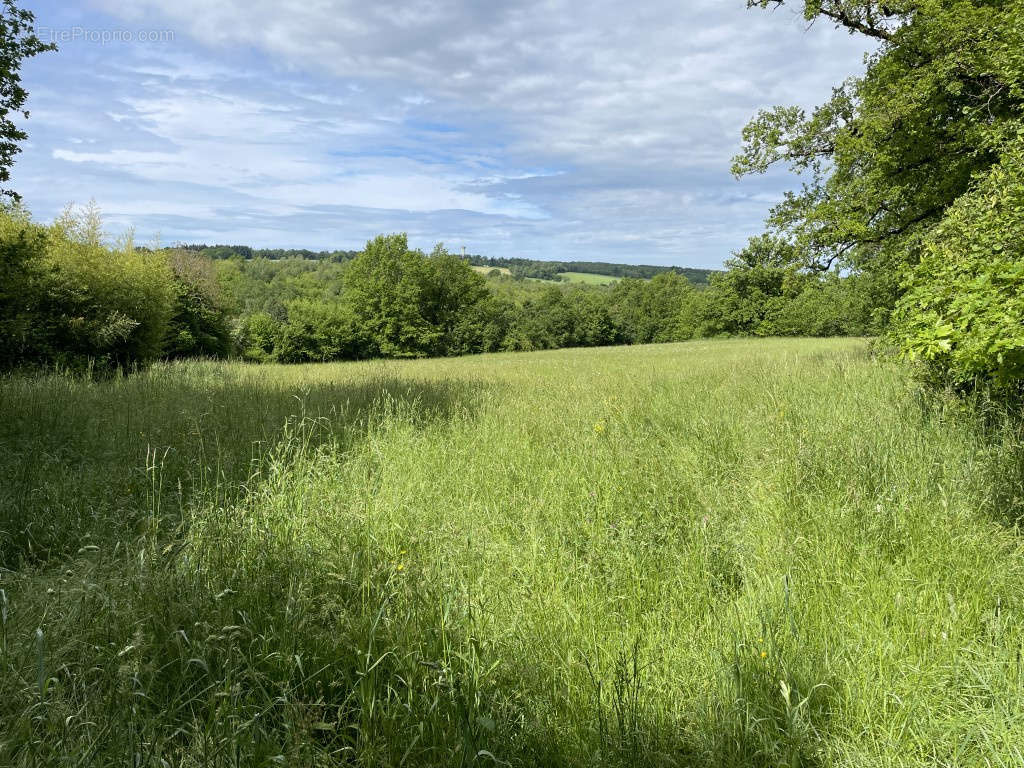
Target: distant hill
point(541, 270)
point(553, 270)
point(247, 252)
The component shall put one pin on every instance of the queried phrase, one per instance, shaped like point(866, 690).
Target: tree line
point(70, 300)
point(522, 268)
point(217, 252)
point(552, 270)
point(909, 224)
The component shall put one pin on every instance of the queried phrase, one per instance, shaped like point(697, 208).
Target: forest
point(907, 226)
point(72, 301)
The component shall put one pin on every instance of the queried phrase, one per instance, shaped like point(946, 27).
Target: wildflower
point(401, 567)
point(764, 655)
point(599, 428)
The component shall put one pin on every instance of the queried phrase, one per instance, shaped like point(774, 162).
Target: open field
point(726, 553)
point(588, 278)
point(572, 277)
point(487, 270)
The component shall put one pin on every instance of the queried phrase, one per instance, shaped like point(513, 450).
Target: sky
point(545, 129)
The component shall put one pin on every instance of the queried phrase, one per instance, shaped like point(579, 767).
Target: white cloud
point(600, 131)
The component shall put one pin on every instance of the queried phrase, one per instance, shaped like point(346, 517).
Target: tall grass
point(742, 553)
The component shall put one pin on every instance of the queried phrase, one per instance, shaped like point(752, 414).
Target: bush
point(75, 301)
point(256, 337)
point(318, 332)
point(23, 289)
point(198, 326)
point(963, 310)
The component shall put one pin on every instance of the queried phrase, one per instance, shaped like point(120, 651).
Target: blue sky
point(541, 129)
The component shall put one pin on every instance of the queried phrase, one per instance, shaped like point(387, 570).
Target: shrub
point(23, 287)
point(256, 337)
point(962, 313)
point(74, 300)
point(117, 301)
point(318, 332)
point(198, 326)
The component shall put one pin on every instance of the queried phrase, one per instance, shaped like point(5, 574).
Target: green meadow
point(718, 553)
point(588, 278)
point(505, 271)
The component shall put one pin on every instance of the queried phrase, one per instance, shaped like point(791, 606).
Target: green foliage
point(263, 285)
point(24, 281)
point(646, 312)
point(217, 252)
point(315, 332)
point(483, 326)
point(256, 337)
point(894, 148)
point(18, 41)
point(963, 310)
point(389, 288)
point(198, 325)
point(406, 304)
point(827, 305)
point(453, 292)
point(71, 300)
point(915, 176)
point(116, 303)
point(392, 301)
point(767, 292)
point(554, 271)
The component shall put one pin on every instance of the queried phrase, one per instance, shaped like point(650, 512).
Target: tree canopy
point(18, 41)
point(937, 112)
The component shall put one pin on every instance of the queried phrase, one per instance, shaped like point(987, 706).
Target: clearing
point(729, 553)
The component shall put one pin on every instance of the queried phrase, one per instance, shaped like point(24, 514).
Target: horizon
point(517, 132)
point(454, 252)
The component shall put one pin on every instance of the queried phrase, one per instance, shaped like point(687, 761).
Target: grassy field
point(572, 277)
point(487, 270)
point(588, 278)
point(729, 553)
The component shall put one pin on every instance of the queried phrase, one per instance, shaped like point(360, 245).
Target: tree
point(384, 287)
point(645, 312)
point(916, 178)
point(18, 41)
point(406, 304)
point(963, 310)
point(198, 325)
point(891, 150)
point(747, 299)
point(453, 289)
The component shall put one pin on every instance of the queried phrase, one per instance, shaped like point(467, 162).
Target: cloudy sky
point(539, 128)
